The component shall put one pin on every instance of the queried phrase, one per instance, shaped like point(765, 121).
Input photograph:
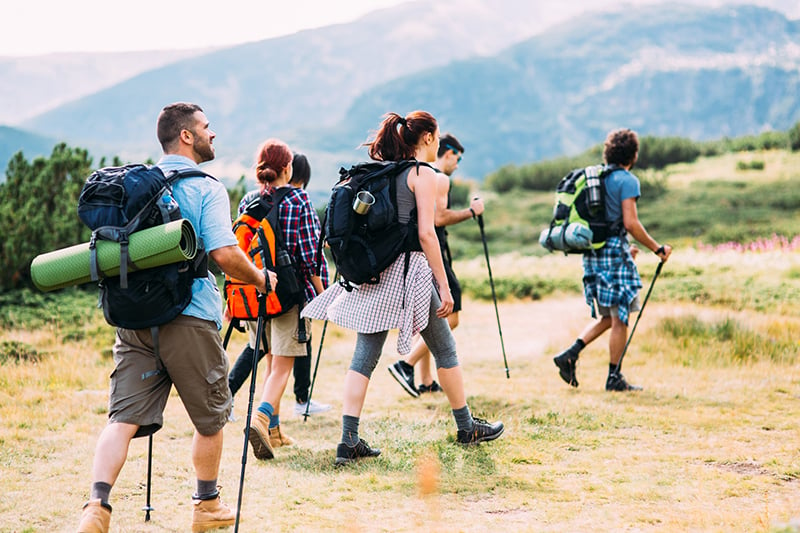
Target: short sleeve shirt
point(204, 202)
point(620, 185)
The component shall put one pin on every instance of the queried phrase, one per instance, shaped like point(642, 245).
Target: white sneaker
point(314, 408)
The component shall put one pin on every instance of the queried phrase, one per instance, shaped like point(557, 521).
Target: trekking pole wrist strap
point(660, 250)
point(473, 212)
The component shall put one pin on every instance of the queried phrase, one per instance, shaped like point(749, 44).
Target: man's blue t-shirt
point(620, 185)
point(204, 202)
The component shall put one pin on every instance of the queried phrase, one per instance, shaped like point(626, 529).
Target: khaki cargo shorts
point(281, 334)
point(192, 358)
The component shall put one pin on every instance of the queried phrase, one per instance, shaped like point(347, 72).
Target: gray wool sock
point(463, 418)
point(350, 430)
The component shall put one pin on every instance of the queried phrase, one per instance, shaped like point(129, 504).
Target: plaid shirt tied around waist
point(610, 277)
point(396, 302)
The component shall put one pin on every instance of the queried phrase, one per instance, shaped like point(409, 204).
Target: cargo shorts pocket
point(218, 392)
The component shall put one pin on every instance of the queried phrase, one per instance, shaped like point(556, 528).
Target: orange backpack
point(259, 234)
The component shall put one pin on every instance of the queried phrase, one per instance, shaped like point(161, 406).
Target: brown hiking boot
point(278, 438)
point(95, 518)
point(259, 436)
point(211, 514)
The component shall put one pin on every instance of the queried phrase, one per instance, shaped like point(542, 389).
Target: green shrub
point(755, 164)
point(658, 152)
point(728, 341)
point(17, 352)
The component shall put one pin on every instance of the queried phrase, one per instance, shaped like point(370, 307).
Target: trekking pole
point(633, 330)
point(147, 508)
point(319, 353)
point(316, 367)
point(494, 295)
point(262, 313)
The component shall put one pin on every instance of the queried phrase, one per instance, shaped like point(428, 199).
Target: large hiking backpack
point(364, 245)
point(579, 222)
point(116, 202)
point(259, 234)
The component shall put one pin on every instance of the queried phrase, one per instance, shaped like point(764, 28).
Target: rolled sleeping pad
point(157, 246)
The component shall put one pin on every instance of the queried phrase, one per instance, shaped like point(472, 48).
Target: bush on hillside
point(38, 211)
point(794, 138)
point(658, 152)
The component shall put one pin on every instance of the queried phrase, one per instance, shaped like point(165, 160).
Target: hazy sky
point(32, 27)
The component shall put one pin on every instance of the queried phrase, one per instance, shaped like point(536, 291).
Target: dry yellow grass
point(702, 448)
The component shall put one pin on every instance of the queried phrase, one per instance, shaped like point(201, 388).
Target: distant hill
point(279, 86)
point(33, 85)
point(13, 140)
point(663, 69)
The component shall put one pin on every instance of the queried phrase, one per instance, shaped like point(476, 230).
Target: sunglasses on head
point(455, 151)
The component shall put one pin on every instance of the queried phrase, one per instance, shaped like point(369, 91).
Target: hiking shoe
point(95, 518)
point(404, 374)
point(566, 367)
point(481, 431)
point(313, 409)
point(433, 387)
point(278, 438)
point(211, 514)
point(259, 436)
point(347, 454)
point(617, 382)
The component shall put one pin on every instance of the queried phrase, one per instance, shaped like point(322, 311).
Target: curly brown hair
point(621, 147)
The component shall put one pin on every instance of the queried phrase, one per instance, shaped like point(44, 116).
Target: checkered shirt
point(301, 229)
point(393, 303)
point(610, 277)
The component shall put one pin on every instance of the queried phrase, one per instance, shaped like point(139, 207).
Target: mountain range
point(510, 80)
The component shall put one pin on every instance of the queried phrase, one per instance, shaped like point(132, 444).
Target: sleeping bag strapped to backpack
point(364, 245)
point(579, 222)
point(259, 234)
point(116, 202)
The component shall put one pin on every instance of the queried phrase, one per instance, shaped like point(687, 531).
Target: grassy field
point(711, 444)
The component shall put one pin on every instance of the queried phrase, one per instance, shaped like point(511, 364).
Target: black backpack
point(118, 201)
point(364, 245)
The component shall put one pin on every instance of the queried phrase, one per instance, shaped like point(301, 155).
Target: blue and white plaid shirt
point(610, 277)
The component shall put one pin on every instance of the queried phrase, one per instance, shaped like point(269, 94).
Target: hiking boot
point(433, 387)
point(211, 514)
point(313, 409)
point(404, 374)
point(481, 431)
point(617, 382)
point(347, 454)
point(259, 436)
point(566, 367)
point(95, 518)
point(278, 438)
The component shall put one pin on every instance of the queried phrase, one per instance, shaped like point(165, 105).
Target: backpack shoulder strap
point(175, 175)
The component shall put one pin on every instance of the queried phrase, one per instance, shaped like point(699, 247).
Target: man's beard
point(205, 151)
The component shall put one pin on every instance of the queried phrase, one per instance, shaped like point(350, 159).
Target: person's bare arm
point(234, 262)
point(424, 189)
point(447, 217)
point(630, 217)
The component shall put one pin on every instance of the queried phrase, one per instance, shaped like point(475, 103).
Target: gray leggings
point(437, 336)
